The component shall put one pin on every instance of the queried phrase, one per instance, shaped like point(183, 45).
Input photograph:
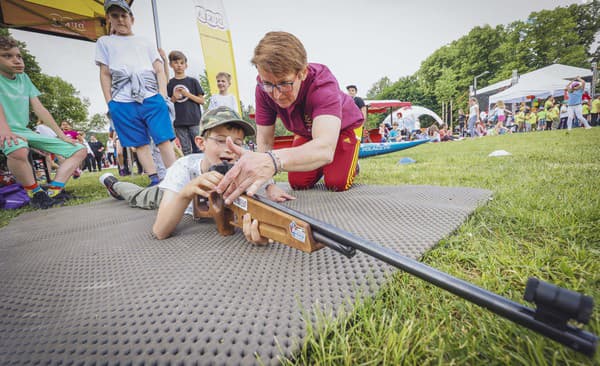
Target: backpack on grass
point(13, 196)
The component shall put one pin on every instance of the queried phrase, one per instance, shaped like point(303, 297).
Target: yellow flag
point(217, 47)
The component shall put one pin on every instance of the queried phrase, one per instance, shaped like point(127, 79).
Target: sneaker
point(108, 179)
point(77, 173)
point(62, 196)
point(42, 201)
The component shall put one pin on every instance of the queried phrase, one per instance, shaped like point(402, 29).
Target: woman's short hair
point(280, 53)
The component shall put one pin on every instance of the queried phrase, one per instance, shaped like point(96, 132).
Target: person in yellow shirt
point(520, 119)
point(541, 117)
point(552, 117)
point(530, 120)
point(596, 111)
point(585, 110)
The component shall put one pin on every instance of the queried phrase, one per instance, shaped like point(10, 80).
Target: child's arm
point(199, 99)
point(106, 82)
point(42, 113)
point(160, 77)
point(6, 134)
point(173, 204)
point(163, 55)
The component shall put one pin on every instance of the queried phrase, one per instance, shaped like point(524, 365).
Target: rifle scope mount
point(557, 305)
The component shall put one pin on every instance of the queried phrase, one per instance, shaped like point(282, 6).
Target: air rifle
point(556, 306)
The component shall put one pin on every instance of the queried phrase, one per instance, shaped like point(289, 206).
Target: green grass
point(88, 188)
point(543, 221)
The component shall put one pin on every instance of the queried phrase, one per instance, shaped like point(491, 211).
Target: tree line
point(563, 35)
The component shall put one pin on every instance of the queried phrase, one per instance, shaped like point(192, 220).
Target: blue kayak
point(378, 148)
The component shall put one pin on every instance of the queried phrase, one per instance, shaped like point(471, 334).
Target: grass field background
point(543, 221)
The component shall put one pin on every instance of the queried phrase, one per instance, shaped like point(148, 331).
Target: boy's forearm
point(106, 83)
point(199, 99)
point(42, 113)
point(160, 78)
point(170, 212)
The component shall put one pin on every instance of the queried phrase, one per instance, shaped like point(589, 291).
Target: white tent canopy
point(410, 117)
point(541, 83)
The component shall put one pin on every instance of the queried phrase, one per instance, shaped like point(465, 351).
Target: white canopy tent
point(410, 117)
point(541, 83)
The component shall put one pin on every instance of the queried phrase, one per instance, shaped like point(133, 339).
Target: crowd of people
point(577, 109)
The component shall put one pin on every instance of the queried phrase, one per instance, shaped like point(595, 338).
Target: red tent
point(383, 106)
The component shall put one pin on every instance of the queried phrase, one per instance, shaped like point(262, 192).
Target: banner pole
point(156, 27)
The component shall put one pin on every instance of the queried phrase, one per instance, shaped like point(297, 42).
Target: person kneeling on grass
point(189, 174)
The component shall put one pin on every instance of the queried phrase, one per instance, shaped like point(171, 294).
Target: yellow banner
point(217, 47)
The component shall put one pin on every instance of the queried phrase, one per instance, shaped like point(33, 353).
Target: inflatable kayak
point(378, 148)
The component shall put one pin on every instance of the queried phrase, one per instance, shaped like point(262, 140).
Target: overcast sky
point(360, 40)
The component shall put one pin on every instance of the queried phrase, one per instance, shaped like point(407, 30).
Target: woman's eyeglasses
point(283, 87)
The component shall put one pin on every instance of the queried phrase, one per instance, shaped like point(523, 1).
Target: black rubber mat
point(88, 285)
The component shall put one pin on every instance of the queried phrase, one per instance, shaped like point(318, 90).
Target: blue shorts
point(135, 123)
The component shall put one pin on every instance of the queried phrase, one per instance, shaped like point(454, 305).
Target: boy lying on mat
point(186, 177)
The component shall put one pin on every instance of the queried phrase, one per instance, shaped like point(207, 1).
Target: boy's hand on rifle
point(202, 185)
point(251, 232)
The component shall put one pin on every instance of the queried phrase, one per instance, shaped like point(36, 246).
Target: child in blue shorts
point(134, 85)
point(17, 95)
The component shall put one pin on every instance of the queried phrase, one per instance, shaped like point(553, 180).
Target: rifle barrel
point(575, 338)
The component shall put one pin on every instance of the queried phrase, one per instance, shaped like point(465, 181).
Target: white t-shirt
point(45, 131)
point(181, 173)
point(564, 111)
point(110, 146)
point(218, 100)
point(473, 110)
point(129, 55)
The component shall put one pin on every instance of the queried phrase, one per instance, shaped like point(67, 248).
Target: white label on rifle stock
point(241, 203)
point(297, 232)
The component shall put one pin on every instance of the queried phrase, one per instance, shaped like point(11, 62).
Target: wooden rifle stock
point(273, 224)
point(555, 305)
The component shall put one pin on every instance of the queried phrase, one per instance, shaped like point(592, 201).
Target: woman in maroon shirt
point(325, 121)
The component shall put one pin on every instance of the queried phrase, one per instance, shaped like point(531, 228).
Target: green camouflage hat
point(222, 115)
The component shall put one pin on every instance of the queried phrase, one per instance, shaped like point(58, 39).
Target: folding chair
point(37, 159)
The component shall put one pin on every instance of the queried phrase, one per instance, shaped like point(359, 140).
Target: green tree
point(60, 97)
point(562, 35)
point(98, 122)
point(203, 78)
point(378, 87)
point(62, 100)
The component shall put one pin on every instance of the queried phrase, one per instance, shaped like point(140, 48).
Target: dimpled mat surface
point(89, 285)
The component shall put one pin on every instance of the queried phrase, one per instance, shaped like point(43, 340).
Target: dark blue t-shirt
point(187, 112)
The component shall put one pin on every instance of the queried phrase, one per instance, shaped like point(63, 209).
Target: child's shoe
point(42, 201)
point(108, 179)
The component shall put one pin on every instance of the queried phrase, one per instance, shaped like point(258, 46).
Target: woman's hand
point(247, 175)
point(251, 232)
